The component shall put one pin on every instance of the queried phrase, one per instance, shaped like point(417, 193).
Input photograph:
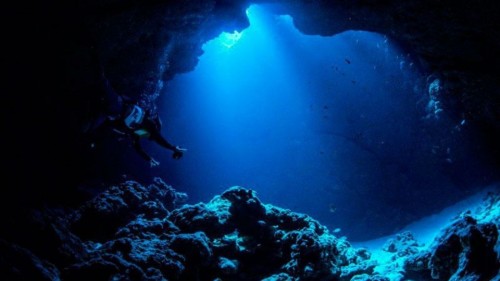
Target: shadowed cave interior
point(364, 115)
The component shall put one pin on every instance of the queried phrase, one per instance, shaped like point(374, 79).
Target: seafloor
point(136, 232)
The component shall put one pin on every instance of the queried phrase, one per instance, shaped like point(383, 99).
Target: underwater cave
point(371, 117)
point(314, 124)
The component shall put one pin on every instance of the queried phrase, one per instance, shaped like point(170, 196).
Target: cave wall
point(454, 41)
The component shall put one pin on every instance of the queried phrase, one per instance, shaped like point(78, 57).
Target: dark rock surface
point(120, 204)
point(466, 249)
point(233, 237)
point(242, 239)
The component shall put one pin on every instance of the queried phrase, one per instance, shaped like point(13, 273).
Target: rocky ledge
point(137, 232)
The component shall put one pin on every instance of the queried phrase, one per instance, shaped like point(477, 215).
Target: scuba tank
point(135, 117)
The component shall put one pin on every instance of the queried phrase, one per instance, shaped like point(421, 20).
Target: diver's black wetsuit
point(148, 128)
point(118, 108)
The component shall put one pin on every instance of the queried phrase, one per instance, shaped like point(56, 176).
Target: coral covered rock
point(232, 237)
point(120, 204)
point(236, 237)
point(465, 250)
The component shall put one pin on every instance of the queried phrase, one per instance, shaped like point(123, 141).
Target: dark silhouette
point(137, 123)
point(126, 118)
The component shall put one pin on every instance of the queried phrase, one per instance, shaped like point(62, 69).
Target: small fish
point(353, 81)
point(348, 61)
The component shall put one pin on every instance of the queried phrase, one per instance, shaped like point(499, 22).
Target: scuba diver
point(128, 119)
point(137, 123)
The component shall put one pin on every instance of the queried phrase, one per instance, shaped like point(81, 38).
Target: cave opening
point(340, 128)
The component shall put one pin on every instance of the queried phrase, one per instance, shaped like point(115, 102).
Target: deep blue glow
point(303, 120)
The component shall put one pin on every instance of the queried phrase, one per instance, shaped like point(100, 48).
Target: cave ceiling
point(143, 42)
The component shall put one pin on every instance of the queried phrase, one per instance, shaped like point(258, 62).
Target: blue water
point(327, 126)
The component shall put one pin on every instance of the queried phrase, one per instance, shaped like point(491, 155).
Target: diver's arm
point(158, 138)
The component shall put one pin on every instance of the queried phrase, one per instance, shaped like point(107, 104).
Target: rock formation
point(136, 232)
